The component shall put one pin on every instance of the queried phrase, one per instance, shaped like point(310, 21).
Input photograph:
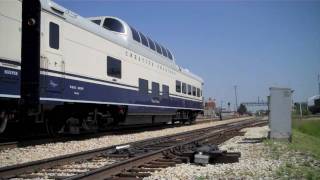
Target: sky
point(251, 44)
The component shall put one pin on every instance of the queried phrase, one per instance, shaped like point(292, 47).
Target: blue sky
point(251, 44)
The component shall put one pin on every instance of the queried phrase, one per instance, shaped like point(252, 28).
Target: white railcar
point(71, 72)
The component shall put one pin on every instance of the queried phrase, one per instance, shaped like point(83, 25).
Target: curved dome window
point(135, 34)
point(158, 48)
point(113, 25)
point(143, 39)
point(96, 21)
point(164, 52)
point(169, 54)
point(151, 44)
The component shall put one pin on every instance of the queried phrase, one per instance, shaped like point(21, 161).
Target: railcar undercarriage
point(77, 118)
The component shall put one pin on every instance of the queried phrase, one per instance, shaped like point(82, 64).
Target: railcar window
point(165, 90)
point(194, 91)
point(135, 34)
point(113, 25)
point(184, 88)
point(169, 54)
point(113, 67)
point(198, 92)
point(143, 86)
point(189, 89)
point(143, 39)
point(54, 35)
point(158, 48)
point(164, 52)
point(151, 44)
point(97, 21)
point(155, 89)
point(178, 86)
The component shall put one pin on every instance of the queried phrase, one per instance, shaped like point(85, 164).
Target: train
point(71, 74)
point(314, 104)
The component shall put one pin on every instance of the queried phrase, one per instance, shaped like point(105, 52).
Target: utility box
point(280, 105)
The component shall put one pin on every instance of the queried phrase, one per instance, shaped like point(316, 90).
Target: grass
point(292, 171)
point(309, 126)
point(201, 178)
point(306, 141)
point(306, 135)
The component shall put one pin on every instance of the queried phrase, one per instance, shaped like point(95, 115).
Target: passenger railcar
point(72, 73)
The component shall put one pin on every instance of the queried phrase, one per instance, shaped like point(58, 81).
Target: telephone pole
point(236, 96)
point(319, 82)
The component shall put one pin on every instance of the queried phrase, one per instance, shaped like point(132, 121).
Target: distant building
point(209, 108)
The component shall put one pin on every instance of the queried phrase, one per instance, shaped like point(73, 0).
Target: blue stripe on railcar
point(62, 89)
point(69, 89)
point(9, 81)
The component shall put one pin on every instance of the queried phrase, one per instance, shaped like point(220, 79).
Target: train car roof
point(314, 97)
point(124, 38)
point(131, 31)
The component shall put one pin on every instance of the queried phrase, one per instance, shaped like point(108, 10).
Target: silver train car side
point(314, 104)
point(71, 73)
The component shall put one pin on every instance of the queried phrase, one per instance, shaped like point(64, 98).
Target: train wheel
point(192, 118)
point(54, 127)
point(3, 121)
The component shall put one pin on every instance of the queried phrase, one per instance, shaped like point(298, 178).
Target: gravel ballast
point(32, 153)
point(262, 160)
point(253, 163)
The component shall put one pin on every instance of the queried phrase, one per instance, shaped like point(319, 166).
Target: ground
point(32, 153)
point(266, 160)
point(303, 154)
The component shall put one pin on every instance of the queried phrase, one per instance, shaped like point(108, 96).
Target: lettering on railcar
point(76, 89)
point(10, 72)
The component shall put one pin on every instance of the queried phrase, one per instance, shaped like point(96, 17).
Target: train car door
point(52, 61)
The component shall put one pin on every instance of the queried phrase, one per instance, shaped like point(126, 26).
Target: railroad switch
point(210, 154)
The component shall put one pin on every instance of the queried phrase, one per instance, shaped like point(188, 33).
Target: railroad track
point(133, 160)
point(8, 145)
point(38, 140)
point(43, 139)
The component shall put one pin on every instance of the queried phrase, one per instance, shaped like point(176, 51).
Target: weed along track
point(134, 160)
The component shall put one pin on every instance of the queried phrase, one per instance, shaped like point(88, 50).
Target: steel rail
point(13, 171)
point(107, 172)
point(8, 145)
point(39, 140)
